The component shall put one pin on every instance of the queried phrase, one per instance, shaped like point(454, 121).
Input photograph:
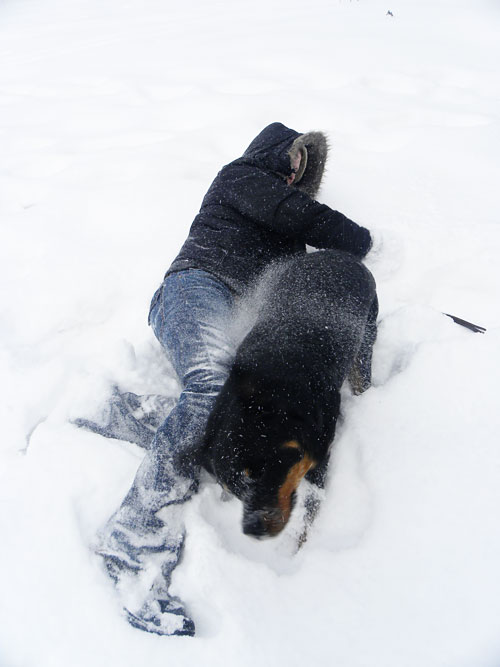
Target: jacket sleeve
point(270, 202)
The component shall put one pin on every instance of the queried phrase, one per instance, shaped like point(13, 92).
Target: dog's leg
point(313, 497)
point(360, 375)
point(312, 503)
point(317, 475)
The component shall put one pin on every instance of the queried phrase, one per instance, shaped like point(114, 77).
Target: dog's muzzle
point(263, 523)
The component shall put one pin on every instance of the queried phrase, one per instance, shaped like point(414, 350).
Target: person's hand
point(377, 245)
point(386, 253)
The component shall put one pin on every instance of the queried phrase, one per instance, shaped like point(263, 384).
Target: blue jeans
point(189, 314)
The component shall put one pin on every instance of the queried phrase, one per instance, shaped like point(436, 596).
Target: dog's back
point(314, 313)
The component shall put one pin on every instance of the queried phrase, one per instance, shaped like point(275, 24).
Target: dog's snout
point(254, 525)
point(263, 522)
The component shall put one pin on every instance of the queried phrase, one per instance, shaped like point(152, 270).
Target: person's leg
point(190, 318)
point(131, 417)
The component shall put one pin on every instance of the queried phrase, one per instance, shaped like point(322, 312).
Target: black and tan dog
point(275, 417)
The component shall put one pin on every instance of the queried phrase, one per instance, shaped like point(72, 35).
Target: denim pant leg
point(189, 315)
point(191, 320)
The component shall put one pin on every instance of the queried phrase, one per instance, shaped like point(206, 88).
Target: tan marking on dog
point(293, 479)
point(292, 444)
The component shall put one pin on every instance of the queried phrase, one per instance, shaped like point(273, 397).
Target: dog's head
point(262, 439)
point(269, 486)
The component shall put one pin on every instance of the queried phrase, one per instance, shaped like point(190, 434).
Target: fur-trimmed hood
point(254, 213)
point(277, 145)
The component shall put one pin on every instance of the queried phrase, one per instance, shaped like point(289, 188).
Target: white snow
point(114, 118)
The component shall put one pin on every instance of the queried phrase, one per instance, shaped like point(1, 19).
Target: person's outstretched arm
point(270, 202)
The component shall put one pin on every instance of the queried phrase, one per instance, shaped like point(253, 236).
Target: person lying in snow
point(260, 208)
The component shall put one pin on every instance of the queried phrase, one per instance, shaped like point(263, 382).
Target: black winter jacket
point(250, 216)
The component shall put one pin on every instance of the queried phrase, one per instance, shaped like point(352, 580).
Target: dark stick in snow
point(468, 325)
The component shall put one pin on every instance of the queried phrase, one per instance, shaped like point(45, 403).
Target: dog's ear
point(245, 384)
point(319, 417)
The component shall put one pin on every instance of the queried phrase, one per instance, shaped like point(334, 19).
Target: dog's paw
point(297, 531)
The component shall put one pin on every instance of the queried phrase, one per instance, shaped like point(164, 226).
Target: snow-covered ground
point(114, 118)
